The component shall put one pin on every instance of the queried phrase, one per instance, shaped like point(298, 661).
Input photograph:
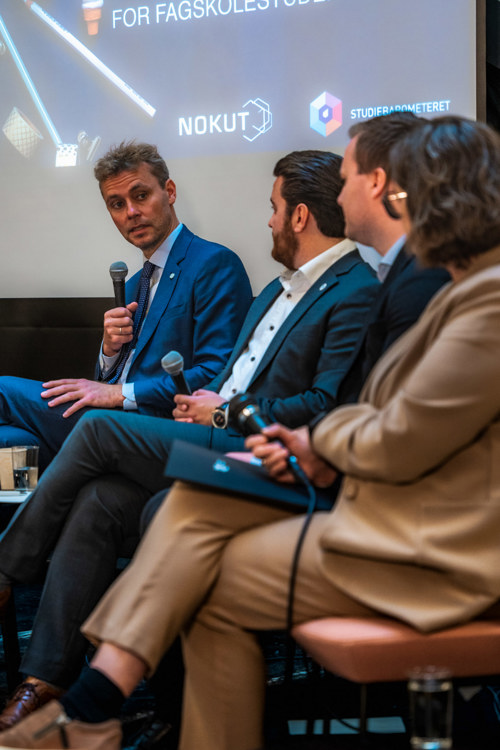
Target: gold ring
point(120, 331)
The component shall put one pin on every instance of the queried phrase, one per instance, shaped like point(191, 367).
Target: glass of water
point(25, 467)
point(431, 706)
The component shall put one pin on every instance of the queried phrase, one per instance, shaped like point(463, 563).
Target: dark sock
point(93, 698)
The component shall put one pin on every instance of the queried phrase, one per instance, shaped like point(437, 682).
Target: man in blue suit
point(291, 354)
point(195, 297)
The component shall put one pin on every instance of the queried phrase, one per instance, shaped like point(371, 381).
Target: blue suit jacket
point(301, 369)
point(199, 306)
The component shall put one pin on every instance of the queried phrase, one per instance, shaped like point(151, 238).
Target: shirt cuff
point(106, 363)
point(130, 404)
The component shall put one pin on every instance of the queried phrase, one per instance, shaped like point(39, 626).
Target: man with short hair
point(406, 288)
point(193, 297)
point(291, 353)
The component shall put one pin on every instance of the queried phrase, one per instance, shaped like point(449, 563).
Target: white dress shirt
point(295, 284)
point(388, 259)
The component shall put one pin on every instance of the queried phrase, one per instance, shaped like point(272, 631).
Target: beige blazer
point(416, 529)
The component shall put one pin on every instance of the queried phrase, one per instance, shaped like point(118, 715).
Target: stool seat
point(367, 650)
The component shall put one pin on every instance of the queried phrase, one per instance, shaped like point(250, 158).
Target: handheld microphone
point(244, 415)
point(173, 364)
point(118, 272)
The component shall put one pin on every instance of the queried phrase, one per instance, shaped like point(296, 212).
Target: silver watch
point(220, 416)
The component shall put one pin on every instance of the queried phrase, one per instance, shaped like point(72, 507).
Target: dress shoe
point(28, 697)
point(51, 728)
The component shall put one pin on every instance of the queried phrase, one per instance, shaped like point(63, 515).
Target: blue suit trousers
point(26, 418)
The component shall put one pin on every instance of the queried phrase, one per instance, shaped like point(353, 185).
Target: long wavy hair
point(450, 168)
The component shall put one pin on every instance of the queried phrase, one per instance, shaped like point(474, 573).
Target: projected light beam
point(29, 84)
point(90, 57)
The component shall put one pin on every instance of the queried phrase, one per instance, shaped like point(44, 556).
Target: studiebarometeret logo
point(325, 114)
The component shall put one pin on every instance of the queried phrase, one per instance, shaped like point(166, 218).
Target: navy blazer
point(302, 367)
point(199, 306)
point(403, 296)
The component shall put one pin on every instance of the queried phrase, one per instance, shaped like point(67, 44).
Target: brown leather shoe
point(50, 727)
point(28, 697)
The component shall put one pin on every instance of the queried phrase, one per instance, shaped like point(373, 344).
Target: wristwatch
point(220, 416)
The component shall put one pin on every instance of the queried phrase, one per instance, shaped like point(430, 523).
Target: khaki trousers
point(214, 568)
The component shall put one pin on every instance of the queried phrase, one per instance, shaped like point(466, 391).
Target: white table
point(14, 497)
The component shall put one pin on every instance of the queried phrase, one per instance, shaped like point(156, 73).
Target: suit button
point(350, 489)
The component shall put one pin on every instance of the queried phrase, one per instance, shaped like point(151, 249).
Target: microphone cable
point(290, 643)
point(245, 415)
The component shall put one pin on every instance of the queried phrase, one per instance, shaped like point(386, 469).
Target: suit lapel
point(325, 282)
point(402, 260)
point(256, 312)
point(168, 282)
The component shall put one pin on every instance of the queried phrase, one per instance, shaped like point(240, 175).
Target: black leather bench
point(48, 338)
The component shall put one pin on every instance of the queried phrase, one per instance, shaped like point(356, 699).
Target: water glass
point(25, 467)
point(431, 705)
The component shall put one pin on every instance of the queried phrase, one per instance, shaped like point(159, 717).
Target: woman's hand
point(274, 446)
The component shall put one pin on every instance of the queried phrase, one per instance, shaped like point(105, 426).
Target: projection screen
point(223, 87)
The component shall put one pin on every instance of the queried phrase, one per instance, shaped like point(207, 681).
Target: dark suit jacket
point(302, 368)
point(199, 306)
point(402, 297)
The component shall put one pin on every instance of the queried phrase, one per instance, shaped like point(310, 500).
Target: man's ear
point(171, 190)
point(300, 217)
point(379, 182)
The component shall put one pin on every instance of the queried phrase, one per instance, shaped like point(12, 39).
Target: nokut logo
point(254, 120)
point(325, 114)
point(263, 116)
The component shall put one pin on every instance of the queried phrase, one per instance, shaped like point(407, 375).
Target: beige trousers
point(214, 568)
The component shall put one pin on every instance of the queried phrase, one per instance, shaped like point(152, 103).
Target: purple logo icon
point(325, 114)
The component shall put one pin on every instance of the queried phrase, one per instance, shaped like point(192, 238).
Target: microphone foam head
point(173, 363)
point(118, 270)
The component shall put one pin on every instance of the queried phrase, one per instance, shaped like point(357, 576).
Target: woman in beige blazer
point(415, 533)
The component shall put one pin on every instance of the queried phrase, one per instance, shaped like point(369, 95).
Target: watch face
point(219, 418)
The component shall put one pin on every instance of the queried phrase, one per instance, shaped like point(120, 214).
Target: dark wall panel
point(51, 338)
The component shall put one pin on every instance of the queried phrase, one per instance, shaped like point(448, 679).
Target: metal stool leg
point(363, 721)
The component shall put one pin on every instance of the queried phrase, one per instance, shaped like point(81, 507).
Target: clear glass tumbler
point(25, 467)
point(431, 708)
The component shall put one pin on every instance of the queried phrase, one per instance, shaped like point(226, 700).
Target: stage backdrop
point(223, 87)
